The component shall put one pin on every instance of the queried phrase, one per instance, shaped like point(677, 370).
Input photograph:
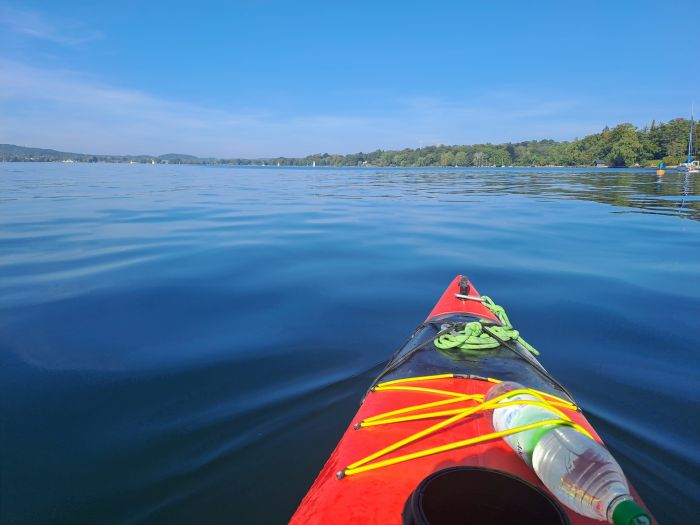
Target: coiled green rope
point(473, 336)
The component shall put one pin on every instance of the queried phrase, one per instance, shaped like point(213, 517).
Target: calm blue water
point(186, 344)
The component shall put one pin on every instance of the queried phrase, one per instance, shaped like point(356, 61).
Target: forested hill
point(8, 151)
point(623, 145)
point(12, 153)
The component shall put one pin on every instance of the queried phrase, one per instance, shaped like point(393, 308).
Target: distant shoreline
point(619, 147)
point(363, 166)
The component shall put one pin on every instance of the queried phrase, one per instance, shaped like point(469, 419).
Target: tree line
point(623, 145)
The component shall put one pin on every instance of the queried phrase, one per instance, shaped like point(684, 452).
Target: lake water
point(186, 344)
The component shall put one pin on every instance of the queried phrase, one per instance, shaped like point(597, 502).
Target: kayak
point(422, 448)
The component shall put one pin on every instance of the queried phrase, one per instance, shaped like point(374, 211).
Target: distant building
point(600, 164)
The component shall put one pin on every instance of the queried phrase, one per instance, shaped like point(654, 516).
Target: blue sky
point(264, 78)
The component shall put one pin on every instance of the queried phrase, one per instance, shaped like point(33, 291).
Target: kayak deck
point(378, 496)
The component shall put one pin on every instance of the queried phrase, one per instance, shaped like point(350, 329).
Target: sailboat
point(690, 166)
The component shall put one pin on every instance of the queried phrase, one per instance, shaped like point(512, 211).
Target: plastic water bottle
point(580, 472)
point(523, 443)
point(584, 476)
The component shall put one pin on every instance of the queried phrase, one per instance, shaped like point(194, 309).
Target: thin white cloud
point(67, 110)
point(34, 24)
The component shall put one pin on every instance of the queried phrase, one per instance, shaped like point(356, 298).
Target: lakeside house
point(599, 164)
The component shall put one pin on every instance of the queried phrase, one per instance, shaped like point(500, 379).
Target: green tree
point(447, 159)
point(461, 158)
point(625, 147)
point(500, 157)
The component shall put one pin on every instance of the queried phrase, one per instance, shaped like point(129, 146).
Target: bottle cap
point(627, 512)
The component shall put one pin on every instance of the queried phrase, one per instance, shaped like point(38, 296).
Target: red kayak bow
point(420, 448)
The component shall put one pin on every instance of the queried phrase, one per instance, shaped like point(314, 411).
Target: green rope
point(473, 336)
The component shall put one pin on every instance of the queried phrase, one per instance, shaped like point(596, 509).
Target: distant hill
point(177, 156)
point(10, 150)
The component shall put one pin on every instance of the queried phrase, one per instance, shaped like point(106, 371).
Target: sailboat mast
point(690, 140)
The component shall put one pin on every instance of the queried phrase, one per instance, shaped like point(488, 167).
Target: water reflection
point(640, 191)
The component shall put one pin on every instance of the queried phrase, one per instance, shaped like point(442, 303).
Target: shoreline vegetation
point(622, 146)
